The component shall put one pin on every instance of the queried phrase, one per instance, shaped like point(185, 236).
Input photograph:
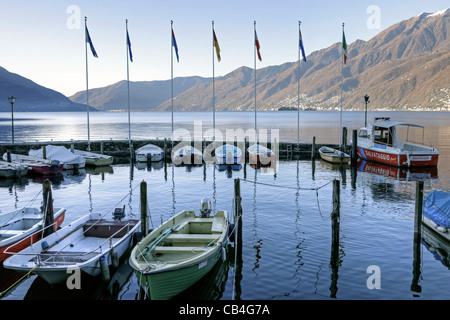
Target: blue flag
point(88, 40)
point(174, 44)
point(129, 47)
point(301, 46)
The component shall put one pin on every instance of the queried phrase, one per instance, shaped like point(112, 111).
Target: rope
point(15, 283)
point(286, 187)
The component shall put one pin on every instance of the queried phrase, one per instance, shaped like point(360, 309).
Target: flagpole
point(342, 82)
point(254, 29)
point(128, 84)
point(214, 93)
point(87, 85)
point(171, 69)
point(298, 88)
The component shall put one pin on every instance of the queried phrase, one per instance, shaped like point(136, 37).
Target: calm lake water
point(286, 222)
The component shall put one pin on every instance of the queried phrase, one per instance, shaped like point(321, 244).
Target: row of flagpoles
point(216, 50)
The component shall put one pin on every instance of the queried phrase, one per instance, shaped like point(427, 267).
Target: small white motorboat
point(87, 243)
point(149, 153)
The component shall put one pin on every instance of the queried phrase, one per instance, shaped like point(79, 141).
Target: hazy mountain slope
point(31, 96)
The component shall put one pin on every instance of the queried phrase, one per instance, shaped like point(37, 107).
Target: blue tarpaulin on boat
point(436, 207)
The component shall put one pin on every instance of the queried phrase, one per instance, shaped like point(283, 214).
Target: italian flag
point(344, 47)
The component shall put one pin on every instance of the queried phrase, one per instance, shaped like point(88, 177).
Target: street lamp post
point(12, 100)
point(366, 97)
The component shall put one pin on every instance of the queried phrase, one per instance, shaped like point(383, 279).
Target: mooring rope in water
point(297, 189)
point(15, 283)
point(287, 187)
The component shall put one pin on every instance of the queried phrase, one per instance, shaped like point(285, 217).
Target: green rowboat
point(178, 253)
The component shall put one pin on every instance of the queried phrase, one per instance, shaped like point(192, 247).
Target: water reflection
point(401, 174)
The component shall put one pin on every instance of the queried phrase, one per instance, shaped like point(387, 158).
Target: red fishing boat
point(21, 228)
point(379, 142)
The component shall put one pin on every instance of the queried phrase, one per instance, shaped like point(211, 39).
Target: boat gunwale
point(146, 241)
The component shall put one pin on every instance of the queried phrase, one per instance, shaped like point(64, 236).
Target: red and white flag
point(257, 46)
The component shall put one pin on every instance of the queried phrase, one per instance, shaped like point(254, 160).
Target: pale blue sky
point(37, 42)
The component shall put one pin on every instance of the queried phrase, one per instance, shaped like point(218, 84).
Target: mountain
point(31, 96)
point(144, 95)
point(404, 67)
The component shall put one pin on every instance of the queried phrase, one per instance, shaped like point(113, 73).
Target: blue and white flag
point(301, 45)
point(88, 40)
point(129, 47)
point(174, 44)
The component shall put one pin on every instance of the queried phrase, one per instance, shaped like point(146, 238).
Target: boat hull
point(166, 285)
point(99, 162)
point(227, 160)
point(178, 253)
point(400, 159)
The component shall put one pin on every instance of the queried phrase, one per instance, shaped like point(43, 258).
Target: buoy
point(45, 245)
point(224, 254)
point(105, 268)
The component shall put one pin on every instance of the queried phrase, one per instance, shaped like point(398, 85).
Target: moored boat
point(63, 155)
point(379, 142)
point(94, 159)
point(228, 154)
point(12, 170)
point(333, 155)
point(149, 152)
point(37, 165)
point(258, 154)
point(187, 155)
point(178, 253)
point(436, 212)
point(89, 243)
point(23, 227)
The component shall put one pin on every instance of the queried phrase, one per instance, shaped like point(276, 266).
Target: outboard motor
point(205, 207)
point(149, 157)
point(119, 213)
point(55, 165)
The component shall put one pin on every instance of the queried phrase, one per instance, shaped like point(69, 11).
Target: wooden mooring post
point(144, 209)
point(354, 147)
point(335, 219)
point(238, 213)
point(237, 238)
point(313, 149)
point(344, 139)
point(415, 287)
point(418, 209)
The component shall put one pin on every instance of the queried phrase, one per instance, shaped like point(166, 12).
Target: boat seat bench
point(170, 249)
point(192, 237)
point(10, 232)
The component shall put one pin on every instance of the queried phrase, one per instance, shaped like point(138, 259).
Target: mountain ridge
point(405, 66)
point(31, 96)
